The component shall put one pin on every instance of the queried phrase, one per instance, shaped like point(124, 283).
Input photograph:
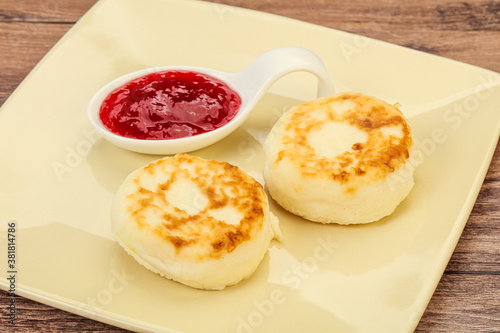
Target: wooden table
point(467, 298)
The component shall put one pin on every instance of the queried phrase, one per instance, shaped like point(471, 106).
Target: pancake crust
point(345, 147)
point(192, 219)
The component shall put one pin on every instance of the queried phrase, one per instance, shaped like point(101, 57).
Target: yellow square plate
point(57, 177)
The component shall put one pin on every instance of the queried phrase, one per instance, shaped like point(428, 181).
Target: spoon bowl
point(251, 83)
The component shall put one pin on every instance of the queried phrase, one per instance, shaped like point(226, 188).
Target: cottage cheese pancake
point(202, 223)
point(344, 158)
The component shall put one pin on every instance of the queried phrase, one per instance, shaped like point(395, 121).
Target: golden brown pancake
point(203, 223)
point(344, 158)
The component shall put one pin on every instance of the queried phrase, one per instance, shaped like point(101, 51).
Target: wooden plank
point(467, 298)
point(456, 309)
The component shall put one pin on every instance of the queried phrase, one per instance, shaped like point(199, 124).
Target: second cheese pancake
point(329, 160)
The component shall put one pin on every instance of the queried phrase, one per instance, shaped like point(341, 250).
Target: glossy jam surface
point(169, 105)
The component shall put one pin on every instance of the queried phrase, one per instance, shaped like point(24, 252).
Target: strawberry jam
point(169, 105)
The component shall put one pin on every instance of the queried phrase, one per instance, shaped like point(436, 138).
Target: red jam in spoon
point(169, 105)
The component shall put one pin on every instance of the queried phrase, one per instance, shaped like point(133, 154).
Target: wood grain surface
point(467, 298)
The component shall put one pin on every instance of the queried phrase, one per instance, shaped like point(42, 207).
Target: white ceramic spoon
point(251, 83)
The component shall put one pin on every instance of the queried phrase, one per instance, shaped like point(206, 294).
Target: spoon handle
point(274, 64)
